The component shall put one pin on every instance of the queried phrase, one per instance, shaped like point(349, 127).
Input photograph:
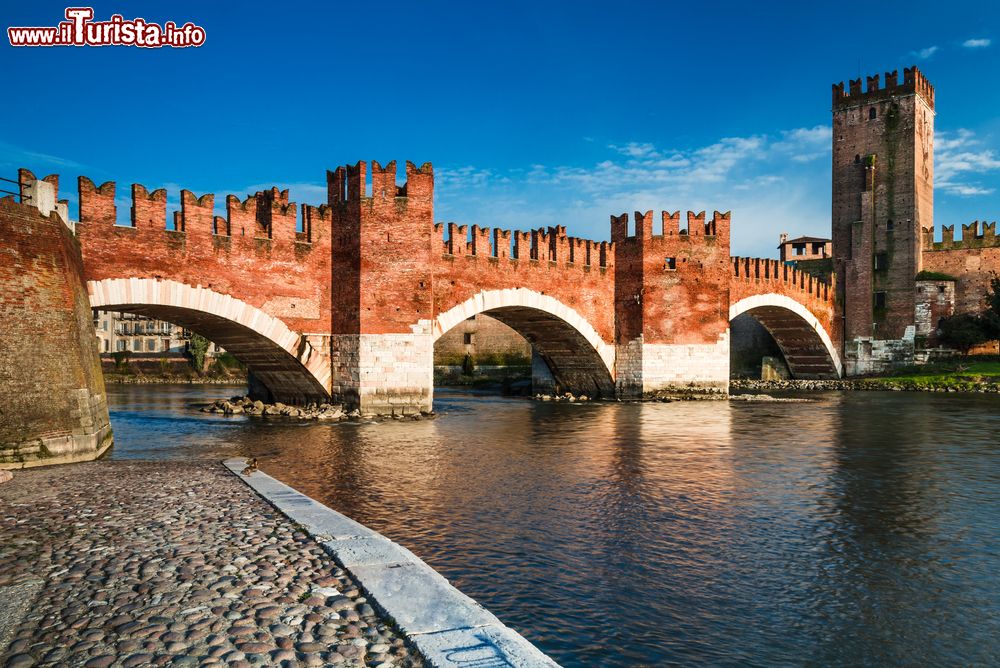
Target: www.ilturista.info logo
point(80, 30)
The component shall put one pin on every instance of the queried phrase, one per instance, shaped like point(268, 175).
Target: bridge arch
point(808, 349)
point(286, 363)
point(580, 360)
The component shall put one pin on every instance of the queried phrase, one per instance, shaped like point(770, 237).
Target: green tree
point(965, 330)
point(991, 316)
point(197, 348)
point(468, 365)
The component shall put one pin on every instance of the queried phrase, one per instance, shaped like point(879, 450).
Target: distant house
point(804, 248)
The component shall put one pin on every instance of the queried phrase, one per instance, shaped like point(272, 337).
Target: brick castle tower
point(883, 173)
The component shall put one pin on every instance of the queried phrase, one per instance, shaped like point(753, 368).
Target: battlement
point(267, 214)
point(541, 245)
point(43, 194)
point(974, 235)
point(756, 269)
point(349, 183)
point(697, 228)
point(914, 82)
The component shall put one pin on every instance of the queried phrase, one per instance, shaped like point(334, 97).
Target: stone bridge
point(346, 299)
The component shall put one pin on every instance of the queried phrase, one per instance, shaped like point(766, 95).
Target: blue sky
point(533, 114)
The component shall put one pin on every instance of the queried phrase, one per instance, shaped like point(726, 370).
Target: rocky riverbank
point(126, 379)
point(883, 384)
point(135, 564)
point(326, 412)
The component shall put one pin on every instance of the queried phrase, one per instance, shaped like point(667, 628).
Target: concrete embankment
point(134, 564)
point(449, 628)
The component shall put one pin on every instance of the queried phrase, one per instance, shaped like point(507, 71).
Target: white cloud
point(925, 53)
point(770, 181)
point(959, 156)
point(976, 43)
point(16, 156)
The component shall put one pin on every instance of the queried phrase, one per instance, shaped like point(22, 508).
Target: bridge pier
point(671, 305)
point(384, 374)
point(645, 369)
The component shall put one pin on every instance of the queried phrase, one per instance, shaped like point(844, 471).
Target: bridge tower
point(382, 361)
point(671, 304)
point(883, 171)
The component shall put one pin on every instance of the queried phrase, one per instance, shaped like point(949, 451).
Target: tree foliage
point(197, 349)
point(966, 329)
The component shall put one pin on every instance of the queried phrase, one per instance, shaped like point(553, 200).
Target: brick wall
point(881, 202)
point(254, 254)
point(53, 407)
point(972, 263)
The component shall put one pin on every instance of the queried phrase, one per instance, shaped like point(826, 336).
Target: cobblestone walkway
point(173, 564)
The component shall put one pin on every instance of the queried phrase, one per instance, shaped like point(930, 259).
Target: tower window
point(880, 299)
point(889, 225)
point(467, 339)
point(881, 261)
point(669, 263)
point(857, 158)
point(872, 114)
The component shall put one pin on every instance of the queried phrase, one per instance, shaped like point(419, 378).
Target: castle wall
point(53, 406)
point(972, 260)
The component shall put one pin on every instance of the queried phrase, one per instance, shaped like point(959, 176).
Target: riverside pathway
point(133, 564)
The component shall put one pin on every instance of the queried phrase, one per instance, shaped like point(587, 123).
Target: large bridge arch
point(286, 363)
point(807, 346)
point(580, 360)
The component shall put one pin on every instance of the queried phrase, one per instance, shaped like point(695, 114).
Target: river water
point(856, 529)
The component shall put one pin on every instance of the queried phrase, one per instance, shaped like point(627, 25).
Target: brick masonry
point(53, 407)
point(344, 301)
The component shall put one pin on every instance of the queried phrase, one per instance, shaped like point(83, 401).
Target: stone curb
point(446, 626)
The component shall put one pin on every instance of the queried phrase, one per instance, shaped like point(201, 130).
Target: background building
point(127, 332)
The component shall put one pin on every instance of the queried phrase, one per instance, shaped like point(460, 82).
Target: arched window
point(872, 114)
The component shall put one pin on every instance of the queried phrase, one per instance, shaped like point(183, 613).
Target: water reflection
point(858, 529)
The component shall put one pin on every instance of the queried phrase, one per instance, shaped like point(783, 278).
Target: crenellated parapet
point(766, 271)
point(349, 184)
point(266, 214)
point(914, 82)
point(549, 245)
point(977, 234)
point(42, 194)
point(255, 251)
point(696, 228)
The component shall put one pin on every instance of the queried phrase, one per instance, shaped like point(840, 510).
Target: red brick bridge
point(346, 299)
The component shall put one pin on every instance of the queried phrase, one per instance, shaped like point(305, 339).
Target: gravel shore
point(134, 564)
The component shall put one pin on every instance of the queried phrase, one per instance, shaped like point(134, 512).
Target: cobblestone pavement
point(174, 564)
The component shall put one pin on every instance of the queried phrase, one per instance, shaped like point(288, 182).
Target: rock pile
point(328, 412)
point(568, 396)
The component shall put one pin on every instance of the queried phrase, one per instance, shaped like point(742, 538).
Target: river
point(856, 529)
